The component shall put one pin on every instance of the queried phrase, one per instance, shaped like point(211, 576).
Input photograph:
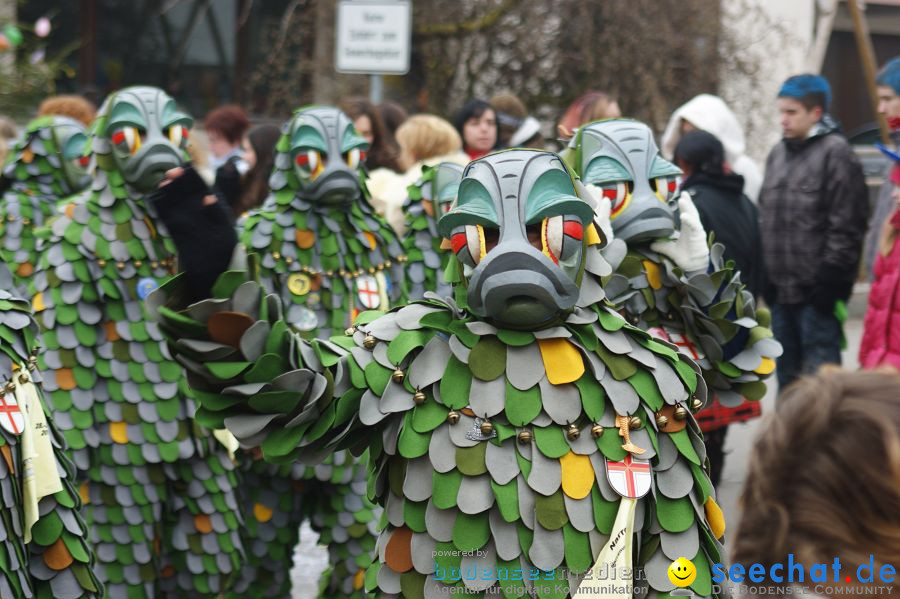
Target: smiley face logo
point(682, 572)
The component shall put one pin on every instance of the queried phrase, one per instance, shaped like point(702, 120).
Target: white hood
point(711, 114)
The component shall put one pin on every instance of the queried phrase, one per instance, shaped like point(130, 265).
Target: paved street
point(310, 559)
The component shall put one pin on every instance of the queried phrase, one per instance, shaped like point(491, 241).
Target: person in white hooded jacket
point(424, 139)
point(710, 113)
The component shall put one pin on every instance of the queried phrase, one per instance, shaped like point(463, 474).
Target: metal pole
point(376, 88)
point(867, 57)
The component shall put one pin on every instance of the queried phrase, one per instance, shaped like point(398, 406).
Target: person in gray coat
point(813, 210)
point(888, 82)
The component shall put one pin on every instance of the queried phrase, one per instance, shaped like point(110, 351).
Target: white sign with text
point(373, 37)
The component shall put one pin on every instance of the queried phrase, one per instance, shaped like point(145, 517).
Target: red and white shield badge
point(630, 477)
point(11, 417)
point(368, 292)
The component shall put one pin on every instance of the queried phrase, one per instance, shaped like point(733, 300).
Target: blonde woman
point(425, 140)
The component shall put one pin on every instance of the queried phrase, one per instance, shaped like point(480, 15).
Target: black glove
point(769, 292)
point(203, 235)
point(828, 288)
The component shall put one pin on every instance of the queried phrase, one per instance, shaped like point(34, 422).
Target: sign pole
point(376, 88)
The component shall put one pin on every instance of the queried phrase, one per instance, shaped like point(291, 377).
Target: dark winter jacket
point(732, 217)
point(813, 209)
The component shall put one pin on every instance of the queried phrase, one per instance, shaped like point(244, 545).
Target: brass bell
point(398, 376)
point(487, 428)
point(634, 422)
point(596, 431)
point(138, 263)
point(696, 404)
point(661, 421)
point(572, 432)
point(524, 437)
point(418, 397)
point(370, 342)
point(288, 260)
point(349, 331)
point(276, 255)
point(681, 413)
point(154, 264)
point(101, 262)
point(120, 265)
point(452, 416)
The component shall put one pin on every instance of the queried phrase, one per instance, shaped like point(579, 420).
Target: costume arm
point(252, 374)
point(733, 336)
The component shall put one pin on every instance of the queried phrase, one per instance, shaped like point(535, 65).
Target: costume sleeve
point(736, 348)
point(254, 375)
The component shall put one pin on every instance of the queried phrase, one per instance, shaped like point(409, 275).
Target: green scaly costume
point(44, 550)
point(696, 301)
point(495, 424)
point(326, 255)
point(158, 488)
point(44, 166)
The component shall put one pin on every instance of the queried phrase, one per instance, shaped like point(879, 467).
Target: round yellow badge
point(299, 284)
point(682, 572)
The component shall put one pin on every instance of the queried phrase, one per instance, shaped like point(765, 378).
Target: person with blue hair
point(888, 89)
point(813, 211)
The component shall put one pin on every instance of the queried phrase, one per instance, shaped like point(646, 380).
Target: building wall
point(776, 36)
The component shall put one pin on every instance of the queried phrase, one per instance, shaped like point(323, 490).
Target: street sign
point(373, 37)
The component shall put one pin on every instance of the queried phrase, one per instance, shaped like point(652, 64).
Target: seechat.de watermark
point(791, 578)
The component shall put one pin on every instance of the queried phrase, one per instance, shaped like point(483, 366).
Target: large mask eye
point(128, 139)
point(665, 187)
point(618, 193)
point(469, 244)
point(562, 238)
point(310, 162)
point(355, 157)
point(81, 163)
point(178, 135)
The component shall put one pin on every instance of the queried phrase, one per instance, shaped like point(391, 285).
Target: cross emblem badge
point(629, 478)
point(368, 292)
point(11, 417)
